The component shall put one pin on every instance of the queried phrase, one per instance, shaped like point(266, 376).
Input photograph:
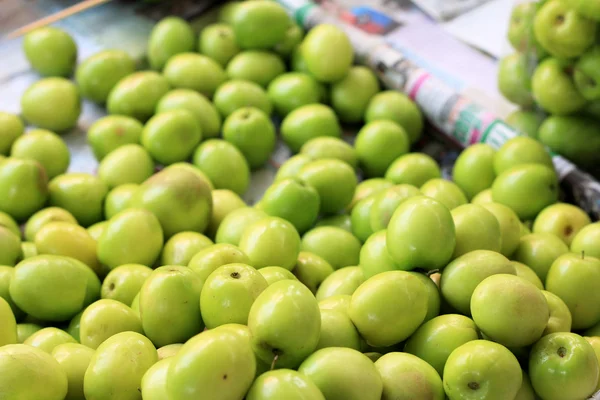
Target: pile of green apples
point(360, 274)
point(554, 76)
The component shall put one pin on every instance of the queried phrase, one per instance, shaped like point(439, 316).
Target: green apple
point(252, 132)
point(520, 150)
point(207, 260)
point(563, 366)
point(292, 90)
point(45, 147)
point(585, 242)
point(228, 293)
point(337, 246)
point(396, 106)
point(437, 338)
point(23, 187)
point(574, 137)
point(98, 74)
point(74, 359)
point(26, 329)
point(380, 325)
point(553, 86)
point(30, 373)
point(378, 144)
point(351, 95)
point(293, 37)
point(51, 91)
point(224, 202)
point(181, 247)
point(514, 301)
point(271, 241)
point(154, 381)
point(433, 295)
point(444, 191)
point(118, 199)
point(283, 384)
point(421, 234)
point(526, 188)
point(194, 71)
point(8, 332)
point(342, 221)
point(575, 278)
point(275, 274)
point(520, 29)
point(465, 273)
point(81, 194)
point(293, 201)
point(119, 243)
point(179, 197)
point(342, 373)
point(236, 93)
point(482, 369)
point(476, 229)
point(311, 270)
point(250, 19)
point(47, 339)
point(10, 247)
point(374, 257)
point(244, 332)
point(560, 317)
point(233, 175)
point(8, 222)
point(49, 287)
point(308, 122)
point(538, 251)
point(6, 276)
point(386, 202)
point(368, 187)
point(170, 36)
point(203, 110)
point(328, 53)
point(129, 353)
point(510, 227)
point(586, 75)
point(28, 250)
point(124, 282)
point(217, 41)
point(330, 147)
point(595, 342)
point(170, 350)
point(256, 66)
point(337, 330)
point(105, 318)
point(407, 376)
point(50, 51)
point(561, 219)
point(285, 324)
point(343, 281)
point(483, 197)
point(339, 302)
point(112, 131)
point(562, 31)
point(12, 128)
point(233, 225)
point(130, 163)
point(525, 122)
point(414, 169)
point(169, 301)
point(137, 95)
point(360, 218)
point(527, 273)
point(74, 325)
point(514, 79)
point(334, 180)
point(473, 170)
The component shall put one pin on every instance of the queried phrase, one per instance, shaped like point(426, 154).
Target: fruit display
point(553, 77)
point(362, 272)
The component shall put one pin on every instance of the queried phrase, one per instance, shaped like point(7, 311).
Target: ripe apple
point(350, 96)
point(553, 86)
point(308, 122)
point(514, 79)
point(561, 219)
point(528, 274)
point(217, 41)
point(74, 359)
point(379, 324)
point(292, 90)
point(562, 31)
point(233, 225)
point(271, 241)
point(250, 19)
point(327, 52)
point(339, 302)
point(437, 338)
point(407, 376)
point(398, 107)
point(378, 144)
point(465, 273)
point(285, 324)
point(181, 247)
point(169, 302)
point(256, 66)
point(476, 229)
point(343, 281)
point(520, 150)
point(311, 270)
point(421, 234)
point(575, 278)
point(337, 330)
point(473, 170)
point(337, 246)
point(446, 192)
point(520, 310)
point(228, 294)
point(482, 369)
point(560, 317)
point(105, 318)
point(206, 261)
point(586, 241)
point(385, 203)
point(284, 384)
point(563, 366)
point(343, 374)
point(538, 251)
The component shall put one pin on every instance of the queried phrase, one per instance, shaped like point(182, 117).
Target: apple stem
point(274, 361)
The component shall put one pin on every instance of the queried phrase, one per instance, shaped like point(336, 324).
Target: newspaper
point(443, 10)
